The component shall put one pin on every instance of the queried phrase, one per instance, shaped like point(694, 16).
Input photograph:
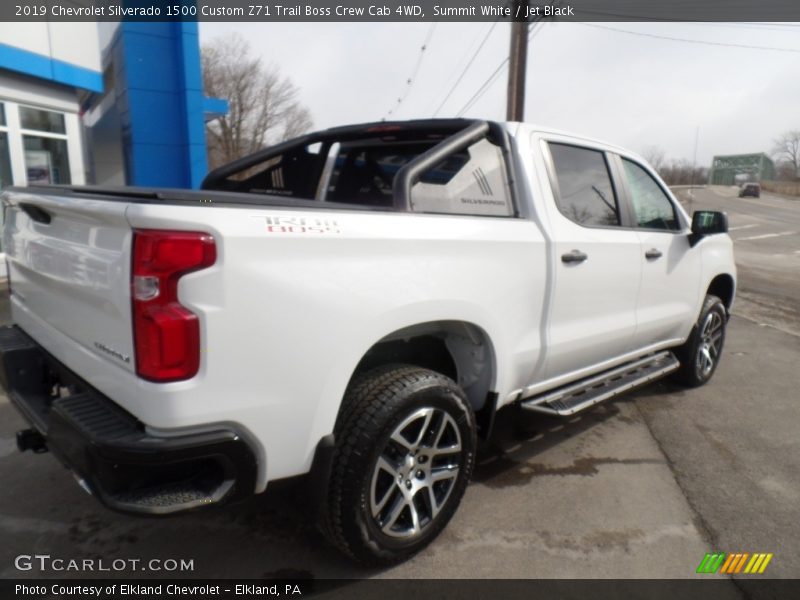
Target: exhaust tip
point(30, 439)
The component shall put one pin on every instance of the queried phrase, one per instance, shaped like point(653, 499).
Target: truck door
point(598, 263)
point(671, 268)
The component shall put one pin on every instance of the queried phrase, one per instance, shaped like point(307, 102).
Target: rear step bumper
point(108, 450)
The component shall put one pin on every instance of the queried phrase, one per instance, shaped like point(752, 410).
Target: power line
point(688, 41)
point(787, 27)
point(413, 78)
point(482, 90)
point(747, 26)
point(641, 18)
point(493, 77)
point(466, 68)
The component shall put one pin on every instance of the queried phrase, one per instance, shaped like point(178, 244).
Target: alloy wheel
point(710, 343)
point(415, 473)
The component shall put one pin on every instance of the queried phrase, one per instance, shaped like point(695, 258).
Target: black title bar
point(394, 10)
point(708, 588)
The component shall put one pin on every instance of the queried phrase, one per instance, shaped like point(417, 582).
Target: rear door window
point(585, 192)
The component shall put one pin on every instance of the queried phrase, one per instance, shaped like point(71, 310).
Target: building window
point(5, 168)
point(46, 160)
point(45, 146)
point(5, 153)
point(38, 146)
point(41, 120)
point(5, 162)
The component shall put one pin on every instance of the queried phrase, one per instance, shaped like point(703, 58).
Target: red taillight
point(166, 334)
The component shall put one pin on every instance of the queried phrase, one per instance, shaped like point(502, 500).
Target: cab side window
point(586, 194)
point(652, 207)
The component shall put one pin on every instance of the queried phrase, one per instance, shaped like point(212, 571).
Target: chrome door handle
point(576, 256)
point(653, 254)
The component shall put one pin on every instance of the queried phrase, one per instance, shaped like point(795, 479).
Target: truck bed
point(184, 197)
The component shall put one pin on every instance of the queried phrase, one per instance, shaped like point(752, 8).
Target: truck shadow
point(285, 514)
point(507, 458)
point(283, 519)
point(274, 535)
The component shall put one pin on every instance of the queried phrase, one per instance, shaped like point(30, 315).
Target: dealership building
point(102, 103)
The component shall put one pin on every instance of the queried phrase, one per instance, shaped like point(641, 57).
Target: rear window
point(364, 174)
point(293, 173)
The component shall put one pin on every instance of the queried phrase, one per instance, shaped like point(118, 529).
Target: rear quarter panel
point(288, 311)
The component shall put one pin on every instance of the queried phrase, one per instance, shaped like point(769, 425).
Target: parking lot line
point(764, 236)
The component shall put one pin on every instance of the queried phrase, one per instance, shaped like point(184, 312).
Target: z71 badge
point(301, 225)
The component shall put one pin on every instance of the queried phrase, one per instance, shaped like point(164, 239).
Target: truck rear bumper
point(108, 450)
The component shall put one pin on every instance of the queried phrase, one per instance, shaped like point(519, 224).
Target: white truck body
point(298, 296)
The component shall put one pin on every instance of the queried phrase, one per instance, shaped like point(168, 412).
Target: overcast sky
point(631, 90)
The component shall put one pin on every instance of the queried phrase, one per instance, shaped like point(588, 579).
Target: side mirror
point(707, 222)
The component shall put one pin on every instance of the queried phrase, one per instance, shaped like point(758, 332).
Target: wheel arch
point(434, 341)
point(723, 286)
point(460, 350)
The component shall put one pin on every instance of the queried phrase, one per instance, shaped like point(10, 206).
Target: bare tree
point(263, 105)
point(655, 156)
point(787, 150)
point(682, 172)
point(785, 171)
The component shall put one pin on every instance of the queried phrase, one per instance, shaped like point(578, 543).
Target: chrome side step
point(575, 397)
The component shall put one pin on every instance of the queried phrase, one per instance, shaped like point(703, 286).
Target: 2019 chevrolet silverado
point(354, 304)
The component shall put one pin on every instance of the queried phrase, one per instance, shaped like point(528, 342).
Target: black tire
point(705, 344)
point(375, 406)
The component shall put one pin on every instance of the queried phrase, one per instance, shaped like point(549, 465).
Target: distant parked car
point(750, 189)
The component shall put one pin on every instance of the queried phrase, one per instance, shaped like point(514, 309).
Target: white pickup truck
point(355, 304)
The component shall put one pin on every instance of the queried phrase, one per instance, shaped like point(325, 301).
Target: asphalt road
point(766, 232)
point(641, 487)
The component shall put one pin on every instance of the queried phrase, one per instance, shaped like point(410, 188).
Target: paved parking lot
point(641, 487)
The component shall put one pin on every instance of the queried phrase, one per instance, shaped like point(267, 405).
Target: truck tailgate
point(69, 264)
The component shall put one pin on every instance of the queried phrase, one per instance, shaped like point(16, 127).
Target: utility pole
point(694, 167)
point(518, 56)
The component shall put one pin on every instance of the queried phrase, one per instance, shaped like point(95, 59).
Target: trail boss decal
point(301, 225)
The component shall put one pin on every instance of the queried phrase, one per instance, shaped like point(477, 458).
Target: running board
point(575, 397)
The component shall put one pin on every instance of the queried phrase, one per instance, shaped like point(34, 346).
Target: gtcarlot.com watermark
point(46, 562)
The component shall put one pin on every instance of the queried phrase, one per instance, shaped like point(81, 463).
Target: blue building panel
point(215, 107)
point(160, 101)
point(155, 117)
point(44, 67)
point(195, 112)
point(150, 62)
point(190, 48)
